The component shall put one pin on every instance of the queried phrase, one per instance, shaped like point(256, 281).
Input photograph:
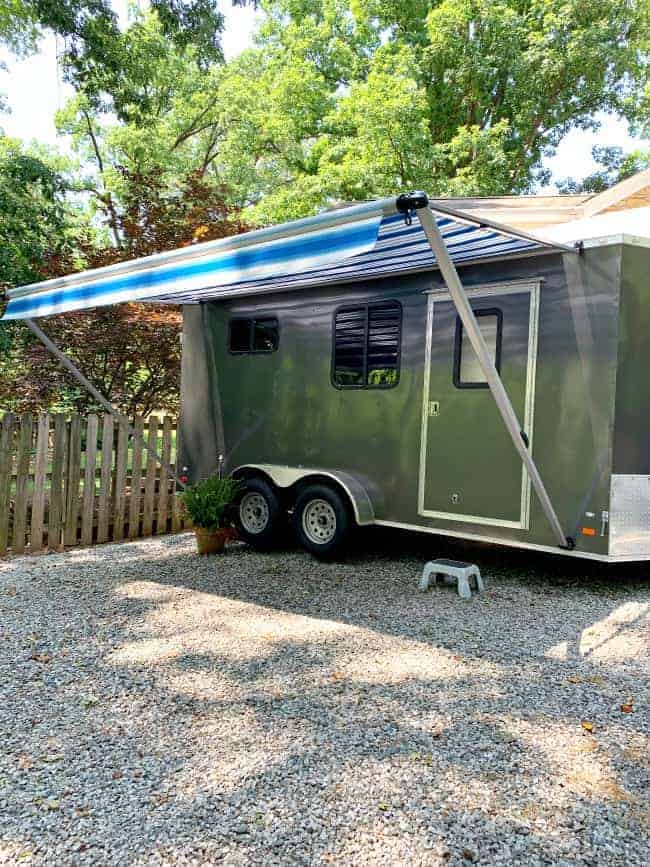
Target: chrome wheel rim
point(319, 522)
point(254, 513)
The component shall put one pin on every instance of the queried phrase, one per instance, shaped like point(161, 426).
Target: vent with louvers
point(367, 343)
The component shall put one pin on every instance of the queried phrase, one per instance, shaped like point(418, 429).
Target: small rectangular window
point(265, 335)
point(253, 335)
point(240, 335)
point(467, 370)
point(367, 341)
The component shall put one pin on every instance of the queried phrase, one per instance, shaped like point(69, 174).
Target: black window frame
point(367, 306)
point(458, 346)
point(252, 320)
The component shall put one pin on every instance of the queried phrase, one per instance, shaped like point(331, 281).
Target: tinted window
point(367, 341)
point(240, 335)
point(265, 335)
point(253, 335)
point(467, 370)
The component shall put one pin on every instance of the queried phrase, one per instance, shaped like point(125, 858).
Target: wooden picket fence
point(69, 481)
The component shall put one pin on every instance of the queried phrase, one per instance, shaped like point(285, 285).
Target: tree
point(167, 104)
point(18, 29)
point(459, 97)
point(130, 352)
point(146, 176)
point(94, 49)
point(38, 226)
point(39, 232)
point(617, 166)
point(345, 100)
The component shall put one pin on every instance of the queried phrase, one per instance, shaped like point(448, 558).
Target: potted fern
point(208, 505)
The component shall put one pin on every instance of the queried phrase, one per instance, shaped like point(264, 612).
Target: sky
point(35, 92)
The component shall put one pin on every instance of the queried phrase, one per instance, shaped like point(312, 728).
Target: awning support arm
point(464, 310)
point(101, 400)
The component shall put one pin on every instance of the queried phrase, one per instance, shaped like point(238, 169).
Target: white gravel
point(161, 708)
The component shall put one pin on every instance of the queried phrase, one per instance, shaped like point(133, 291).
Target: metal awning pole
point(101, 400)
point(464, 310)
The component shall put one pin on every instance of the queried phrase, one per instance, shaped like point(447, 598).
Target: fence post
point(40, 477)
point(6, 461)
point(121, 472)
point(72, 482)
point(88, 503)
point(177, 505)
point(163, 487)
point(103, 507)
point(23, 458)
point(57, 501)
point(150, 478)
point(136, 481)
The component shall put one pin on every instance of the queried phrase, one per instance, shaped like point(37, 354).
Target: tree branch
point(108, 200)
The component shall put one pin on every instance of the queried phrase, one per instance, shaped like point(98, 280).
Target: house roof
point(529, 213)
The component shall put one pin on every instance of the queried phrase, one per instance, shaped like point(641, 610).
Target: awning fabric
point(375, 241)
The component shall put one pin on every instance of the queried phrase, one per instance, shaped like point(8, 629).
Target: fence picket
point(121, 469)
point(56, 511)
point(136, 473)
point(73, 476)
point(88, 502)
point(23, 456)
point(150, 478)
point(177, 504)
point(6, 454)
point(163, 487)
point(40, 476)
point(104, 504)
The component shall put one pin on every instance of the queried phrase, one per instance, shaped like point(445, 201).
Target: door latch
point(434, 407)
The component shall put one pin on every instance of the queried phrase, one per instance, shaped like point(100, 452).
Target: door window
point(467, 370)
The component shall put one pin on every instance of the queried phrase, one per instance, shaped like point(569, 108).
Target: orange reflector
point(588, 531)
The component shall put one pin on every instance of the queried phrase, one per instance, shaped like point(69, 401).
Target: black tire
point(320, 511)
point(251, 512)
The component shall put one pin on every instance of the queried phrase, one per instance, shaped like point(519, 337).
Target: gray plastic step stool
point(450, 571)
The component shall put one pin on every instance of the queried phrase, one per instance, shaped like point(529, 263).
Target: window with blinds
point(367, 344)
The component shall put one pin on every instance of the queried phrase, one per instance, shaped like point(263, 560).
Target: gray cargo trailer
point(412, 369)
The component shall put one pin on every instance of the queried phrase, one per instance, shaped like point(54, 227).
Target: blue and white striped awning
point(358, 243)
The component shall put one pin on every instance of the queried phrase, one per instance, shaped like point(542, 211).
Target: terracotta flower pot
point(211, 541)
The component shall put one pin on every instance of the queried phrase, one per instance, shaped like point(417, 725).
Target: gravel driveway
point(161, 708)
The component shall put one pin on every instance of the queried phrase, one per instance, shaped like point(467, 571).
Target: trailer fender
point(285, 477)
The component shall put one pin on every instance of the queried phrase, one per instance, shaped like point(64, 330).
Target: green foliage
point(349, 99)
point(617, 166)
point(37, 223)
point(95, 52)
point(459, 97)
point(166, 132)
point(18, 28)
point(208, 501)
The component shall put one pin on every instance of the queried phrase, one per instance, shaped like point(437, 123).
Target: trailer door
point(469, 469)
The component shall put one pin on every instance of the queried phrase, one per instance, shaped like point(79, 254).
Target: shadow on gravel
point(266, 709)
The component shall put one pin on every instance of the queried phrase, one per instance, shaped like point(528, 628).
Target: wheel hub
point(319, 522)
point(254, 512)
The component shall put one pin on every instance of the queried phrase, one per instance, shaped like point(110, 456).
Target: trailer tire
point(261, 518)
point(321, 521)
